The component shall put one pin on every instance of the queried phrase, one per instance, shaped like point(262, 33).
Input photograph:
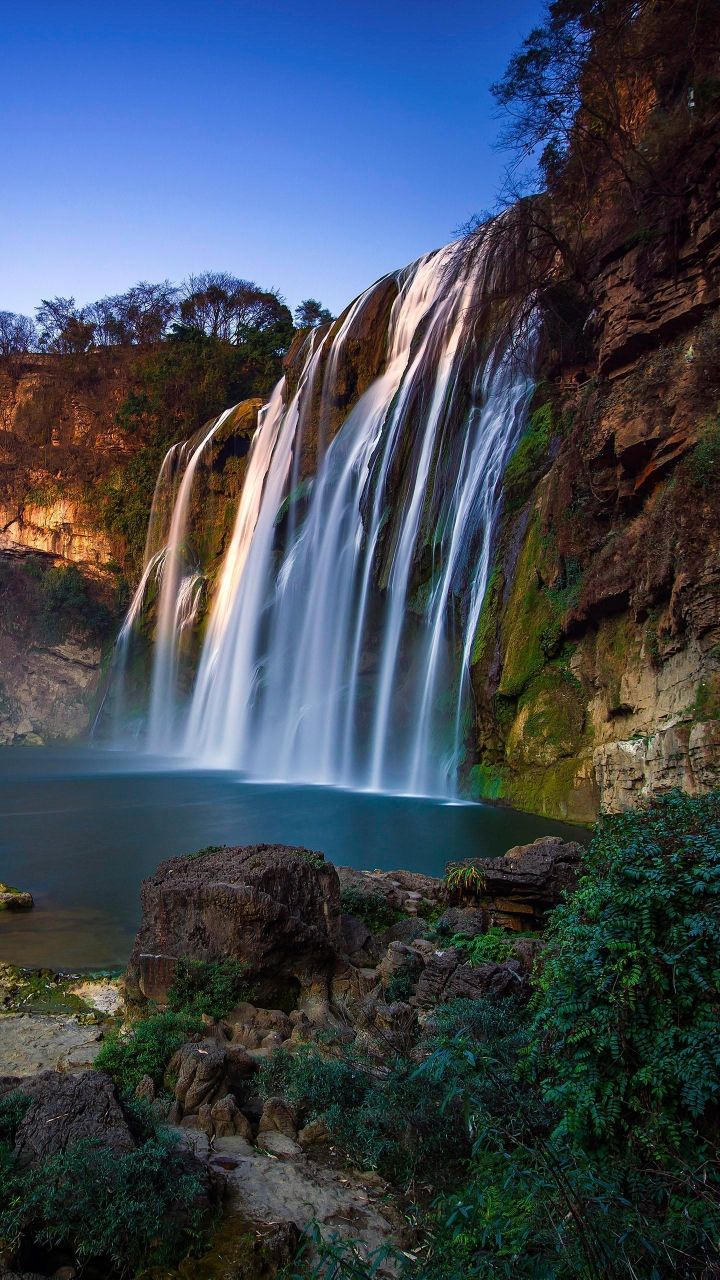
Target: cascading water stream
point(331, 652)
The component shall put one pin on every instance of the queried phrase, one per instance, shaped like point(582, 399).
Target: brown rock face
point(538, 873)
point(526, 882)
point(275, 908)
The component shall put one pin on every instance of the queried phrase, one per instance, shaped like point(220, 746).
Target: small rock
point(14, 899)
point(145, 1090)
point(273, 1040)
point(314, 1134)
point(466, 921)
point(278, 1115)
point(278, 1144)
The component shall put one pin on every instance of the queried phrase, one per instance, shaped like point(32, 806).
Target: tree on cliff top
point(311, 313)
point(222, 306)
point(64, 328)
point(17, 334)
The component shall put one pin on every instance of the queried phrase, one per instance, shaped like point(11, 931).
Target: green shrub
point(485, 948)
point(627, 1033)
point(214, 987)
point(209, 848)
point(13, 1108)
point(590, 1121)
point(146, 1049)
point(125, 1211)
point(400, 987)
point(372, 908)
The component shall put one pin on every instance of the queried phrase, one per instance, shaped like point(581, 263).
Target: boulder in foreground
point(275, 908)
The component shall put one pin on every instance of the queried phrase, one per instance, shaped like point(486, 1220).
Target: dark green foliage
point(590, 1120)
point(66, 601)
point(310, 857)
point(213, 988)
point(147, 1049)
point(400, 987)
point(398, 1121)
point(127, 1211)
point(13, 1108)
point(186, 382)
point(485, 948)
point(372, 908)
point(627, 1029)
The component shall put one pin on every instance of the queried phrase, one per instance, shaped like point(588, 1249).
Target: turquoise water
point(81, 828)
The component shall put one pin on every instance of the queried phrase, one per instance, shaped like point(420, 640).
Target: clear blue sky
point(310, 146)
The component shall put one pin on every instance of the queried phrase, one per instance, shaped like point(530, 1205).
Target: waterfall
point(338, 643)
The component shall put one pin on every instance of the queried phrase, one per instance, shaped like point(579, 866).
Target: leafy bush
point(465, 879)
point(147, 1049)
point(626, 1033)
point(485, 948)
point(590, 1120)
point(13, 1108)
point(372, 908)
point(137, 1209)
point(400, 987)
point(214, 987)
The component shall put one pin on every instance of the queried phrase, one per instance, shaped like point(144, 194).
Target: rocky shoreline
point(331, 961)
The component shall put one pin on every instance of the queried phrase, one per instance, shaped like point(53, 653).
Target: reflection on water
point(81, 828)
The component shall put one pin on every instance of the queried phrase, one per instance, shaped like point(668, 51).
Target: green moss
point(487, 621)
point(529, 614)
point(528, 456)
point(487, 782)
point(45, 993)
point(550, 720)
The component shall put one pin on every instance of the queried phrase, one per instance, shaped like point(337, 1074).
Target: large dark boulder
point(522, 886)
point(66, 1109)
point(273, 907)
point(538, 873)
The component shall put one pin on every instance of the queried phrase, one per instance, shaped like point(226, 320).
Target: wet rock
point(67, 1109)
point(274, 907)
point(14, 899)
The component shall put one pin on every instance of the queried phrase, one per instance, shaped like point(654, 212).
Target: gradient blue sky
point(309, 146)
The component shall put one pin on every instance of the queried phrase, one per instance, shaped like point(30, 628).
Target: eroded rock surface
point(273, 907)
